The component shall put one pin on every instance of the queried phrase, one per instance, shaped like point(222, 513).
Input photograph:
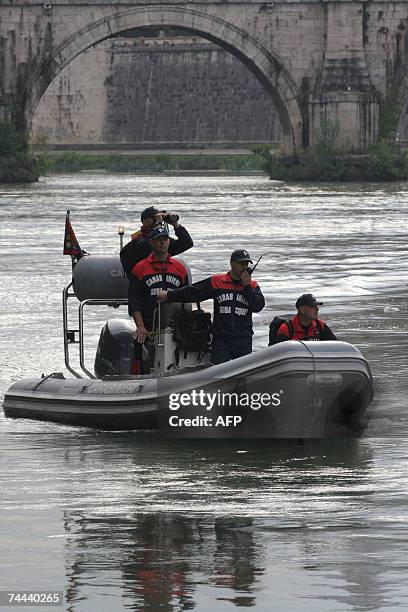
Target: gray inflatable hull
point(324, 390)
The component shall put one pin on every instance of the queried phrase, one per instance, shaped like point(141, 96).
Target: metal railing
point(76, 336)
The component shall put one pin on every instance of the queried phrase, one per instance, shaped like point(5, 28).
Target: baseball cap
point(307, 299)
point(149, 212)
point(159, 232)
point(240, 255)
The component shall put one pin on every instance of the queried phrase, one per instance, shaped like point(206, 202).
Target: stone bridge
point(342, 61)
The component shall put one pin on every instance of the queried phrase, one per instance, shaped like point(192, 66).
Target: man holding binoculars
point(139, 247)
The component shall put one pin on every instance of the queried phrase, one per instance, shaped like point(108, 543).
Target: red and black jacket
point(233, 303)
point(317, 330)
point(150, 276)
point(139, 247)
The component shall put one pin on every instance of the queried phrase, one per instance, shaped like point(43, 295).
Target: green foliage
point(264, 156)
point(16, 164)
point(13, 154)
point(11, 142)
point(153, 163)
point(384, 163)
point(43, 158)
point(323, 164)
point(278, 168)
point(320, 164)
point(326, 140)
point(20, 168)
point(389, 113)
point(404, 165)
point(320, 168)
point(72, 162)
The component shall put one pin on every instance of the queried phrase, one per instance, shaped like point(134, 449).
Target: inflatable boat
point(290, 390)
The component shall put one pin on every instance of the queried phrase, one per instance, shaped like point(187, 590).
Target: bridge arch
point(267, 66)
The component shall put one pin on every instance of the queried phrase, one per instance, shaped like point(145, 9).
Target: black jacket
point(234, 303)
point(139, 248)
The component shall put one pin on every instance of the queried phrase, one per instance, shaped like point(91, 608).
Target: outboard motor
point(114, 354)
point(115, 351)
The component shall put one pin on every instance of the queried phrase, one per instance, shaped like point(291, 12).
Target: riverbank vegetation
point(155, 163)
point(17, 165)
point(383, 162)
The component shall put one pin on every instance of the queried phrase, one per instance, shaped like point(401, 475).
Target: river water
point(128, 521)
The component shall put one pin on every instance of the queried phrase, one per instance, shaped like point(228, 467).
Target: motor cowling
point(114, 354)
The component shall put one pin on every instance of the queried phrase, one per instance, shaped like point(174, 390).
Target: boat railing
point(76, 336)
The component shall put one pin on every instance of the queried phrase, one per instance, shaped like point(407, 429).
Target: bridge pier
point(345, 95)
point(354, 113)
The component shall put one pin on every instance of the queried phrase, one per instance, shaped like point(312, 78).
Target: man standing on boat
point(156, 272)
point(139, 247)
point(305, 325)
point(236, 296)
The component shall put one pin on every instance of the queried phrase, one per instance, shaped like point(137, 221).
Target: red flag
point(71, 244)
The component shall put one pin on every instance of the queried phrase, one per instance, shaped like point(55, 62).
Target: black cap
point(240, 255)
point(148, 212)
point(307, 299)
point(158, 232)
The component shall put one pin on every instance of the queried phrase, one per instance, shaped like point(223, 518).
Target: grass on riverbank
point(16, 164)
point(21, 168)
point(155, 163)
point(323, 163)
point(382, 163)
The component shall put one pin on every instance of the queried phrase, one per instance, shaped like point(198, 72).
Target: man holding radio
point(236, 296)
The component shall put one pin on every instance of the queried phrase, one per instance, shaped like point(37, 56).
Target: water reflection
point(165, 559)
point(203, 541)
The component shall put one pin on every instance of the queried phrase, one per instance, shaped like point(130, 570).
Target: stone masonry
point(155, 91)
point(318, 59)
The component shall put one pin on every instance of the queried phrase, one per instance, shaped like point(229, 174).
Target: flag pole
point(71, 244)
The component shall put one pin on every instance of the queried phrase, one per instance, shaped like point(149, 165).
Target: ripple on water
point(126, 517)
